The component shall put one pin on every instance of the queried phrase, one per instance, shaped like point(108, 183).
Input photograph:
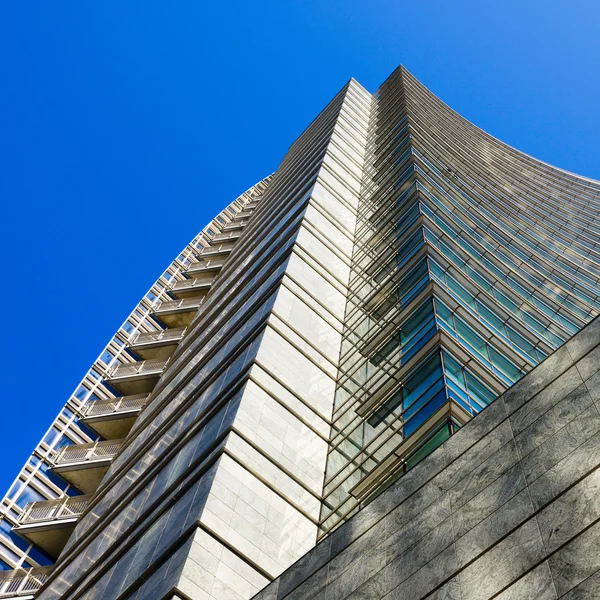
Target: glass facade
point(472, 263)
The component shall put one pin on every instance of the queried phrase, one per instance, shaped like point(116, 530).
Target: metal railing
point(206, 265)
point(86, 452)
point(184, 284)
point(21, 582)
point(124, 403)
point(164, 335)
point(225, 247)
point(144, 367)
point(234, 226)
point(231, 235)
point(243, 214)
point(175, 304)
point(54, 510)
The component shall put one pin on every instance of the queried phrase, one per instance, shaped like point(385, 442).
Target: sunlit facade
point(329, 329)
point(161, 309)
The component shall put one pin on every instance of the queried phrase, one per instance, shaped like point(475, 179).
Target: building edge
point(505, 508)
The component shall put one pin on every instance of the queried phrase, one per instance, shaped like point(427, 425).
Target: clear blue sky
point(124, 126)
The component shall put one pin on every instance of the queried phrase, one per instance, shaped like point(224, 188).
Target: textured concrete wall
point(508, 508)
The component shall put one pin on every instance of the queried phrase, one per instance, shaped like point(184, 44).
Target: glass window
point(429, 446)
point(65, 441)
point(7, 532)
point(421, 389)
point(8, 553)
point(437, 271)
point(51, 436)
point(412, 335)
point(55, 479)
point(465, 388)
point(81, 392)
point(520, 342)
point(490, 317)
point(106, 357)
point(478, 391)
point(34, 461)
point(505, 301)
point(39, 557)
point(465, 297)
point(28, 495)
point(425, 406)
point(503, 365)
point(470, 337)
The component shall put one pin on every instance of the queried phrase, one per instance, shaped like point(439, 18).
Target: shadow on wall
point(508, 508)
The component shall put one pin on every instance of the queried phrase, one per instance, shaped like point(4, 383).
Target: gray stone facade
point(507, 508)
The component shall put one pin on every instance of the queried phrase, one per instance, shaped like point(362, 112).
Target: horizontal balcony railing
point(229, 235)
point(23, 582)
point(186, 284)
point(144, 367)
point(216, 249)
point(244, 214)
point(54, 510)
point(164, 335)
point(173, 305)
point(115, 405)
point(205, 266)
point(86, 452)
point(235, 225)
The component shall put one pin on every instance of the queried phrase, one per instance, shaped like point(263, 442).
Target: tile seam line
point(528, 487)
point(293, 329)
point(282, 403)
point(531, 517)
point(274, 462)
point(288, 389)
point(271, 486)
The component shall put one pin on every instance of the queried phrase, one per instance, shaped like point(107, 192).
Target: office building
point(333, 327)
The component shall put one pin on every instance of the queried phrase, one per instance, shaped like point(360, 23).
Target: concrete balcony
point(178, 313)
point(84, 465)
point(199, 286)
point(234, 225)
point(217, 250)
point(112, 419)
point(156, 344)
point(137, 377)
point(49, 524)
point(233, 234)
point(22, 583)
point(205, 266)
point(244, 214)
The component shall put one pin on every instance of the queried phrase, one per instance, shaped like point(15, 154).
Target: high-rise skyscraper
point(325, 333)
